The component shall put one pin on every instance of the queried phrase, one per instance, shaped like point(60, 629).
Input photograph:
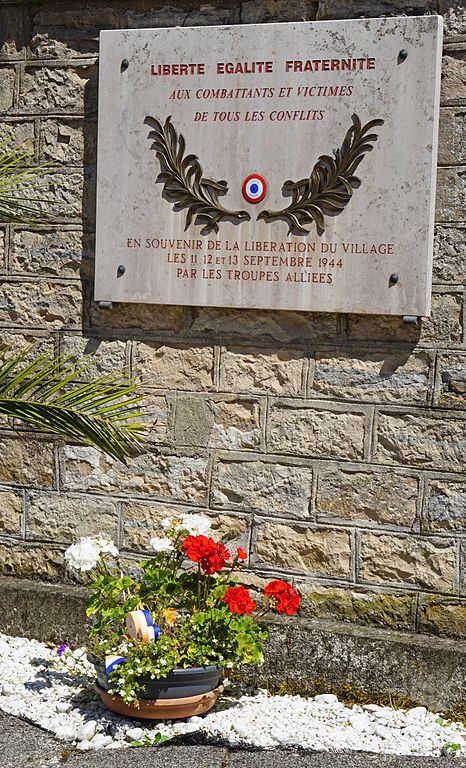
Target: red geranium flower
point(285, 598)
point(241, 554)
point(239, 600)
point(211, 555)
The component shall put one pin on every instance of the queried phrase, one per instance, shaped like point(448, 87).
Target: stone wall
point(332, 447)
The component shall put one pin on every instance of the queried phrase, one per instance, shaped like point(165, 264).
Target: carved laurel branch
point(184, 184)
point(330, 186)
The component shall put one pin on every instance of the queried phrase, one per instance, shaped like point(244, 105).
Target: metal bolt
point(121, 269)
point(124, 65)
point(105, 305)
point(393, 279)
point(410, 319)
point(403, 54)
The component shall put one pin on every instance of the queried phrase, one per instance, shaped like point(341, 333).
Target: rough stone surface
point(376, 609)
point(11, 507)
point(68, 141)
point(377, 328)
point(23, 745)
point(15, 132)
point(62, 518)
point(449, 254)
point(174, 367)
point(177, 477)
point(453, 88)
point(2, 249)
point(386, 499)
point(315, 432)
point(109, 356)
point(156, 416)
point(230, 423)
point(444, 327)
point(268, 489)
point(452, 136)
point(454, 20)
point(143, 521)
point(352, 9)
point(35, 561)
point(276, 372)
point(264, 11)
point(57, 252)
point(451, 384)
point(128, 316)
point(264, 324)
point(373, 376)
point(53, 89)
point(442, 616)
point(316, 550)
point(421, 441)
point(426, 563)
point(451, 191)
point(7, 89)
point(40, 304)
point(446, 506)
point(26, 461)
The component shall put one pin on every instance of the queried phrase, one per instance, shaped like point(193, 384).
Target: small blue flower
point(62, 649)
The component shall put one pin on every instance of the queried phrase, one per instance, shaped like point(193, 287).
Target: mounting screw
point(125, 64)
point(105, 305)
point(121, 269)
point(393, 279)
point(403, 55)
point(410, 319)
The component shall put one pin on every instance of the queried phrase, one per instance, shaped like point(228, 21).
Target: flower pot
point(182, 693)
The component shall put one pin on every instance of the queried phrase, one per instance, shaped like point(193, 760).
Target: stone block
point(264, 11)
point(156, 416)
point(411, 560)
point(226, 423)
point(109, 355)
point(31, 561)
point(268, 489)
point(444, 327)
point(452, 136)
point(444, 616)
point(11, 508)
point(70, 141)
point(7, 88)
point(26, 461)
point(14, 133)
point(66, 194)
point(40, 304)
point(387, 499)
point(453, 83)
point(375, 609)
point(173, 367)
point(451, 193)
point(64, 32)
point(377, 328)
point(319, 551)
point(308, 431)
point(451, 383)
point(181, 478)
point(58, 90)
point(170, 16)
point(422, 441)
point(16, 341)
point(446, 506)
point(150, 317)
point(273, 371)
point(60, 518)
point(58, 252)
point(354, 9)
point(143, 521)
point(372, 376)
point(2, 250)
point(449, 254)
point(15, 26)
point(454, 18)
point(263, 324)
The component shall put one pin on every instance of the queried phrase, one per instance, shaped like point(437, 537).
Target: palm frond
point(18, 180)
point(46, 393)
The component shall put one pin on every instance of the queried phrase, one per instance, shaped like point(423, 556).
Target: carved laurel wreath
point(327, 191)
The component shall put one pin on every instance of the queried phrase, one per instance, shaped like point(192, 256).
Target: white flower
point(166, 523)
point(195, 524)
point(107, 547)
point(159, 544)
point(84, 555)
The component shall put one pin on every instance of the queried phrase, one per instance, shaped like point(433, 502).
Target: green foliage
point(44, 394)
point(154, 740)
point(18, 179)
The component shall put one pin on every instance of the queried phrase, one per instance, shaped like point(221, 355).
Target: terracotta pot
point(161, 709)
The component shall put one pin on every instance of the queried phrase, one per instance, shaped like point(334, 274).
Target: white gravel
point(36, 686)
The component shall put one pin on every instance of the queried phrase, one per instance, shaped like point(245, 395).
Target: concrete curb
point(303, 656)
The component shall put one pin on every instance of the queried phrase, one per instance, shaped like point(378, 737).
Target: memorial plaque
point(284, 166)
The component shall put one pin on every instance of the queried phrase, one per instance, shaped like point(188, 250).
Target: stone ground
point(24, 746)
